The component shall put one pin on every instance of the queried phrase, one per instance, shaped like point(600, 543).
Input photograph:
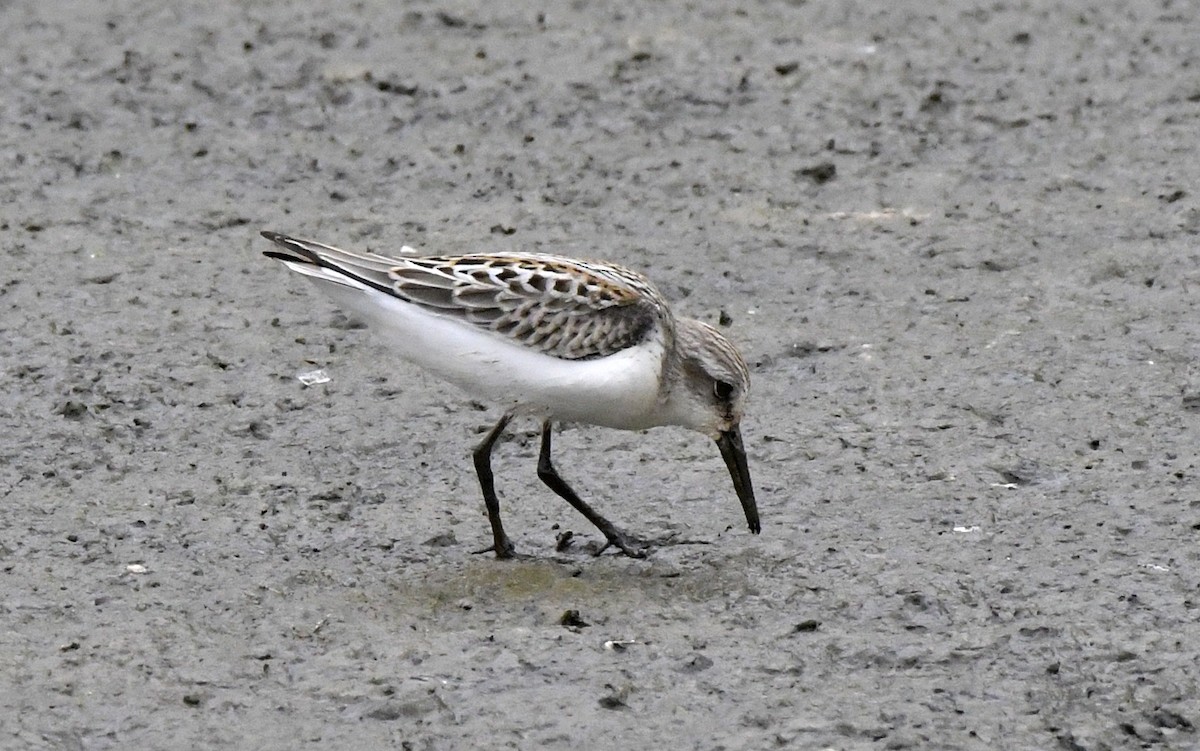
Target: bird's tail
point(329, 264)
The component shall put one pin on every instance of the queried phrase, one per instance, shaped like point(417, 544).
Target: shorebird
point(558, 338)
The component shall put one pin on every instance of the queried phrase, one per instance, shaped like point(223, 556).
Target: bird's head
point(710, 383)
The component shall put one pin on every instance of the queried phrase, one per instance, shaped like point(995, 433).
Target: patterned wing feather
point(570, 309)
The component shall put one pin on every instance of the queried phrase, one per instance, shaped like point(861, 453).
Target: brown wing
point(574, 310)
point(566, 308)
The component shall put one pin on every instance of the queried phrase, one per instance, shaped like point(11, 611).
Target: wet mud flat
point(956, 244)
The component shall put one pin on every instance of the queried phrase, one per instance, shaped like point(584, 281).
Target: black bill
point(734, 455)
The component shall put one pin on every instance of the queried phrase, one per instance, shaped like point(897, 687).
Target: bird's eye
point(722, 390)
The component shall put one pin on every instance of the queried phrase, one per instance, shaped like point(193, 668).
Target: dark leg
point(483, 467)
point(549, 475)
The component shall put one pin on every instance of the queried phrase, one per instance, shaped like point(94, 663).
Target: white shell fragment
point(313, 377)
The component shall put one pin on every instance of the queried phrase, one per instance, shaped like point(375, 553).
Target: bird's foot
point(627, 544)
point(504, 550)
point(634, 547)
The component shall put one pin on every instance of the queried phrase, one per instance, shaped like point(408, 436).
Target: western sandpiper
point(555, 337)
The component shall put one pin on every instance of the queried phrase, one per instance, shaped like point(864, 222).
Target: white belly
point(619, 391)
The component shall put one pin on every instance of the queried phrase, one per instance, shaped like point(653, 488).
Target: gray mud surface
point(957, 242)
